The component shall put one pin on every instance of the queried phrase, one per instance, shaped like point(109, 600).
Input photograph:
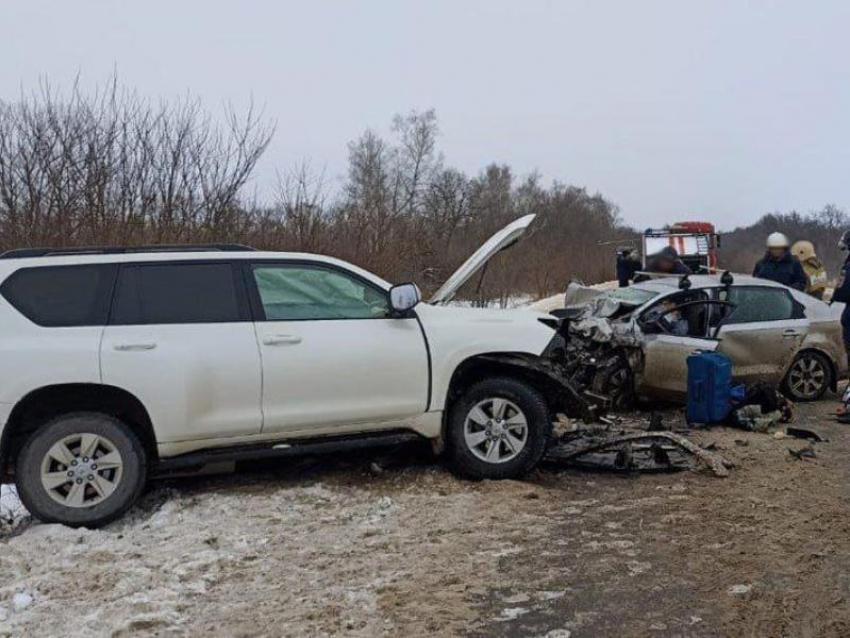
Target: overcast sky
point(673, 110)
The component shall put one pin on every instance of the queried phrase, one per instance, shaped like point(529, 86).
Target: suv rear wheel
point(83, 469)
point(499, 428)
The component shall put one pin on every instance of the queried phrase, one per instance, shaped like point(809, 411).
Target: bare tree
point(111, 167)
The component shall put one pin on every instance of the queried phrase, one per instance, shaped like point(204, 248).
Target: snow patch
point(512, 613)
point(12, 511)
point(21, 601)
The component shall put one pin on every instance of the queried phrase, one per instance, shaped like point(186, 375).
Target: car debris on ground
point(633, 446)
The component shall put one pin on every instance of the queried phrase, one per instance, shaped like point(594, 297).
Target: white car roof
point(9, 265)
point(670, 282)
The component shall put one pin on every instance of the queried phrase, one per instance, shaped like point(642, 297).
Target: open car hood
point(505, 238)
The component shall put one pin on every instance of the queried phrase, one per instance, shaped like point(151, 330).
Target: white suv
point(121, 363)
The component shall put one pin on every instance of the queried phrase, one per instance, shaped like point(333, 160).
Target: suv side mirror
point(404, 297)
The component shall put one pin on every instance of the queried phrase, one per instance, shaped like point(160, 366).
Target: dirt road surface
point(333, 547)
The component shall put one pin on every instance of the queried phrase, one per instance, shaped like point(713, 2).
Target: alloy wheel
point(807, 377)
point(495, 430)
point(81, 470)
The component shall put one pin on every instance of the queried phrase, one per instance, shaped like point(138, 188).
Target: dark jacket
point(842, 295)
point(785, 270)
point(627, 266)
point(679, 267)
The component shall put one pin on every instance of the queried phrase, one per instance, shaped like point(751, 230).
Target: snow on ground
point(270, 556)
point(12, 512)
point(517, 301)
point(332, 546)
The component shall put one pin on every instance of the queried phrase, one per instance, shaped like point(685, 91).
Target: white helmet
point(777, 240)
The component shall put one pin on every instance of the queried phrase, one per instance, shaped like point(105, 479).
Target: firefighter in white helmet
point(804, 251)
point(778, 264)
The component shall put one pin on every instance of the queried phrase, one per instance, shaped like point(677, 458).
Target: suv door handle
point(133, 347)
point(791, 333)
point(281, 340)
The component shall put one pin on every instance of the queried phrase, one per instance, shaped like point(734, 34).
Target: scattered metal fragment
point(804, 433)
point(656, 422)
point(804, 453)
point(637, 451)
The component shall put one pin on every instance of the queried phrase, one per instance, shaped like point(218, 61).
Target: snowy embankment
point(12, 512)
point(303, 551)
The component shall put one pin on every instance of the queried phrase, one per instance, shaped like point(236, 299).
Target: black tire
point(532, 407)
point(616, 381)
point(816, 369)
point(128, 485)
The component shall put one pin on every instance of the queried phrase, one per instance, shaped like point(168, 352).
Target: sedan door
point(333, 355)
point(673, 331)
point(665, 373)
point(763, 333)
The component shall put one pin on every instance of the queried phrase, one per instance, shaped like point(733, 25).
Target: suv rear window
point(177, 293)
point(62, 296)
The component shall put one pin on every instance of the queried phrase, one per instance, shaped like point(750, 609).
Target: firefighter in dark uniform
point(779, 265)
point(627, 265)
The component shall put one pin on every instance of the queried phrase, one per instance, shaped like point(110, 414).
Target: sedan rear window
point(62, 296)
point(758, 303)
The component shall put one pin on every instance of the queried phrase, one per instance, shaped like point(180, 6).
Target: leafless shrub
point(112, 168)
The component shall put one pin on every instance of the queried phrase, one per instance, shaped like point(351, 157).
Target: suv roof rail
point(22, 253)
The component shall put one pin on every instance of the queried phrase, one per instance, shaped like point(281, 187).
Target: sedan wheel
point(809, 377)
point(495, 430)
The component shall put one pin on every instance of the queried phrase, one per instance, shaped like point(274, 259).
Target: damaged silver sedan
point(634, 342)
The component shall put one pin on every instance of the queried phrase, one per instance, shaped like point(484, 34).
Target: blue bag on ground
point(709, 387)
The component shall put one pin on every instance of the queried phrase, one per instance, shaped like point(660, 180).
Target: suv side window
point(177, 293)
point(62, 296)
point(302, 292)
point(760, 303)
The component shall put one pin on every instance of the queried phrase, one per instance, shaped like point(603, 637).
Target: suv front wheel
point(82, 469)
point(498, 429)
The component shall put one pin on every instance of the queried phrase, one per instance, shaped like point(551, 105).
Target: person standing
point(779, 265)
point(804, 251)
point(666, 262)
point(842, 290)
point(627, 265)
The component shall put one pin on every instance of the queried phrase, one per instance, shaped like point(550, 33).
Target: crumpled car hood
point(591, 310)
point(592, 302)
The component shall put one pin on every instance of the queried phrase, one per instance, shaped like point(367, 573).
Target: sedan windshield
point(632, 296)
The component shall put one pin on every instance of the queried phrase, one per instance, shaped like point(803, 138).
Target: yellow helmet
point(803, 250)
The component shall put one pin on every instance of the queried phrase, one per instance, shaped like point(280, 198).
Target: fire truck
point(696, 243)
